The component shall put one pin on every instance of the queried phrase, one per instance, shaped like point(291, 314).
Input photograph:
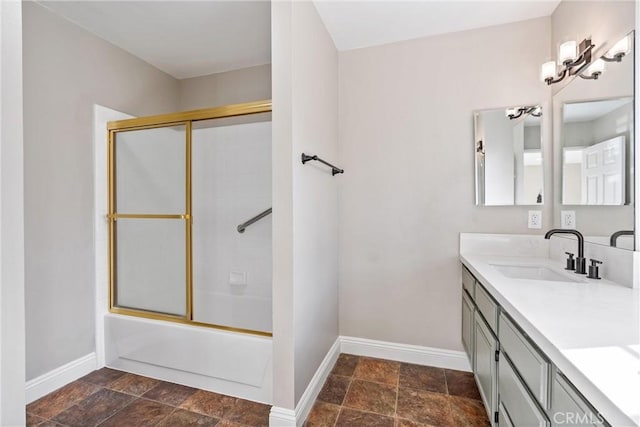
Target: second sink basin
point(533, 272)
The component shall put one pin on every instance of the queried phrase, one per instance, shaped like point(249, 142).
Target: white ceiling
point(356, 24)
point(182, 38)
point(193, 38)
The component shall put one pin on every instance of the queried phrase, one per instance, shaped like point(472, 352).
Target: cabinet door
point(568, 408)
point(515, 400)
point(485, 366)
point(467, 326)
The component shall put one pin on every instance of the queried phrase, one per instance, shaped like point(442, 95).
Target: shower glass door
point(150, 214)
point(168, 262)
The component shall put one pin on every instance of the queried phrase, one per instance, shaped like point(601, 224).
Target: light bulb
point(548, 70)
point(568, 52)
point(596, 68)
point(620, 48)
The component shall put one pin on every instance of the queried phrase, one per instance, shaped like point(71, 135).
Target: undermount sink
point(533, 272)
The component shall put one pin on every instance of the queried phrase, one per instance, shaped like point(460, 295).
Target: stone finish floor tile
point(94, 409)
point(421, 396)
point(322, 414)
point(55, 402)
point(334, 389)
point(424, 407)
point(249, 413)
point(182, 418)
point(345, 365)
point(462, 384)
point(423, 378)
point(133, 384)
point(401, 422)
point(377, 370)
point(34, 420)
point(102, 377)
point(169, 393)
point(140, 413)
point(209, 403)
point(372, 397)
point(468, 412)
point(353, 418)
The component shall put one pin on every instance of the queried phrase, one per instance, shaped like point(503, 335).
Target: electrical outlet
point(568, 219)
point(535, 219)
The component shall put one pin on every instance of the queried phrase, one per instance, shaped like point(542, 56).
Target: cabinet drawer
point(530, 364)
point(519, 407)
point(468, 282)
point(487, 307)
point(568, 407)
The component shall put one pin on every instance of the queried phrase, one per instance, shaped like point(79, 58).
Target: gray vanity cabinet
point(468, 312)
point(518, 383)
point(485, 367)
point(568, 407)
point(516, 403)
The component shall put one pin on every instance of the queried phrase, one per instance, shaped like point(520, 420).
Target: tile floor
point(359, 392)
point(111, 398)
point(366, 392)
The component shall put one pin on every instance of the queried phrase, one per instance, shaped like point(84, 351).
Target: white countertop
point(590, 330)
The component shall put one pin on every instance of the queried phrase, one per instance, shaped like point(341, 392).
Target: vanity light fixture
point(618, 51)
point(572, 58)
point(516, 112)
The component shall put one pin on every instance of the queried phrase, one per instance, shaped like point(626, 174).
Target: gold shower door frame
point(185, 118)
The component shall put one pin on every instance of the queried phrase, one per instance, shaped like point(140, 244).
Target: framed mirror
point(508, 156)
point(594, 146)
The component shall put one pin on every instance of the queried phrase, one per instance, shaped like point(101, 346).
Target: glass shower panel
point(151, 265)
point(150, 170)
point(231, 184)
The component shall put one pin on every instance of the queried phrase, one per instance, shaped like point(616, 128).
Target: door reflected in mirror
point(508, 153)
point(596, 165)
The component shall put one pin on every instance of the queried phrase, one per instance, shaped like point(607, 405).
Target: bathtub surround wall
point(408, 106)
point(66, 71)
point(305, 199)
point(231, 184)
point(12, 345)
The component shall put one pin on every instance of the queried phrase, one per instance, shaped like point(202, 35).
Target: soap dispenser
point(594, 272)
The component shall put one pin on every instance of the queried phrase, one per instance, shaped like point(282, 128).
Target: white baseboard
point(281, 417)
point(53, 380)
point(309, 396)
point(419, 355)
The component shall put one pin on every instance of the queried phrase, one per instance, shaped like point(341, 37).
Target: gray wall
point(66, 71)
point(408, 107)
point(12, 325)
point(231, 87)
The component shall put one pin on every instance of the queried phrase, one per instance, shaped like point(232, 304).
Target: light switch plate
point(568, 219)
point(535, 219)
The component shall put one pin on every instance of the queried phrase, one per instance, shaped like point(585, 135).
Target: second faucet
point(581, 264)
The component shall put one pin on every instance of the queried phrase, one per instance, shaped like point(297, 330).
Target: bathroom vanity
point(549, 347)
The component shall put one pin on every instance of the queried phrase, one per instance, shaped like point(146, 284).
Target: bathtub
point(225, 362)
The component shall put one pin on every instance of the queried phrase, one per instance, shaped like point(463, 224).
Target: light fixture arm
point(576, 66)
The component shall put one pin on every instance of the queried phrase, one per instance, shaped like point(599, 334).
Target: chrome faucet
point(581, 264)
